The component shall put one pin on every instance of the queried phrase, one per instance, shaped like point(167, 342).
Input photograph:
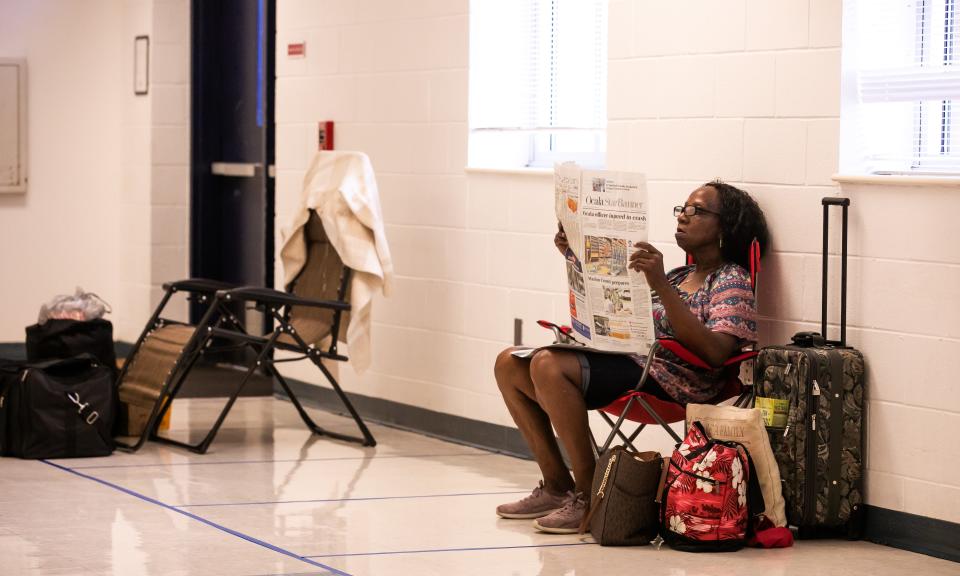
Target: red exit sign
point(297, 50)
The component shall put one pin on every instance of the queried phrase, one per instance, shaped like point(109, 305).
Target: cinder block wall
point(154, 224)
point(471, 251)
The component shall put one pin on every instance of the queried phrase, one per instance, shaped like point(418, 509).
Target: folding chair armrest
point(742, 357)
point(201, 285)
point(681, 352)
point(687, 356)
point(268, 296)
point(561, 334)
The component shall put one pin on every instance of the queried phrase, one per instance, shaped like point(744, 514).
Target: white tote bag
point(745, 425)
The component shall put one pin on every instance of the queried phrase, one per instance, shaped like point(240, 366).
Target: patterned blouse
point(724, 303)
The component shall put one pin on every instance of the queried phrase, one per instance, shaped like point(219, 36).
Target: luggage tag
point(775, 411)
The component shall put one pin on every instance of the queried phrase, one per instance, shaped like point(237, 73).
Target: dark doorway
point(232, 153)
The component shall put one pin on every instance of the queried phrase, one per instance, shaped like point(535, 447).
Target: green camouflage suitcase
point(812, 395)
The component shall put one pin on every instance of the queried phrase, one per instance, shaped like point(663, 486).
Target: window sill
point(511, 171)
point(896, 180)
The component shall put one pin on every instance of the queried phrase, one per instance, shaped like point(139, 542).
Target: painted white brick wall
point(744, 90)
point(168, 250)
point(135, 204)
point(64, 231)
point(155, 201)
point(471, 252)
point(784, 84)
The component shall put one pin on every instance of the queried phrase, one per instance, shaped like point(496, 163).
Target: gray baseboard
point(204, 381)
point(17, 351)
point(493, 437)
point(920, 534)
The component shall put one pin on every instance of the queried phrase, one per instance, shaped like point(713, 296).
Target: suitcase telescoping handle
point(845, 204)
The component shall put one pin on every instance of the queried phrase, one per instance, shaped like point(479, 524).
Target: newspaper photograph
point(604, 214)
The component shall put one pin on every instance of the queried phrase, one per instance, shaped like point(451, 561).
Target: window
point(900, 80)
point(538, 82)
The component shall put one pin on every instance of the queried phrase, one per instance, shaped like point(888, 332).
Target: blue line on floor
point(240, 535)
point(346, 499)
point(216, 462)
point(428, 551)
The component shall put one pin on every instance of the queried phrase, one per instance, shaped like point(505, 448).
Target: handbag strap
point(594, 504)
point(92, 417)
point(664, 468)
point(596, 498)
point(756, 505)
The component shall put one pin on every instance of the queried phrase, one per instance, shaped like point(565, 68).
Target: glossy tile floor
point(269, 498)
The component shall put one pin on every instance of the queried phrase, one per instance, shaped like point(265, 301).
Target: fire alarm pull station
point(325, 136)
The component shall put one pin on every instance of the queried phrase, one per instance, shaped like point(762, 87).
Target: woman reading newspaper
point(708, 307)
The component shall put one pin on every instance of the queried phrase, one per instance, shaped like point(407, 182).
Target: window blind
point(902, 55)
point(537, 79)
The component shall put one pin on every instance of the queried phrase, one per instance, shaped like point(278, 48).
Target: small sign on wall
point(141, 65)
point(296, 50)
point(13, 125)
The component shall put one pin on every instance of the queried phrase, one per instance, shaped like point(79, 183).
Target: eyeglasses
point(690, 210)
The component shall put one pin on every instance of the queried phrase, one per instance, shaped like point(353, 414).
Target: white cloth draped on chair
point(341, 188)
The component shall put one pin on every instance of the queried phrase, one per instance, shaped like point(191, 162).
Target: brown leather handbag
point(623, 504)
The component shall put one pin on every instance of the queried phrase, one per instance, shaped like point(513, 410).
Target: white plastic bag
point(80, 306)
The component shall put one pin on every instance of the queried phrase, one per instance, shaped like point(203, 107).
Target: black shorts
point(606, 377)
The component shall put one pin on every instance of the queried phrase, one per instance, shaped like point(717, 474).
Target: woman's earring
point(721, 241)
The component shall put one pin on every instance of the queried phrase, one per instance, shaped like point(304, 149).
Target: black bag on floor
point(813, 391)
point(56, 339)
point(57, 409)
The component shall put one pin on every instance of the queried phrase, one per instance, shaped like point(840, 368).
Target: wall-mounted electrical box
point(13, 125)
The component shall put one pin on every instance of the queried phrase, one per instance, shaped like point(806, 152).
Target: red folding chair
point(646, 409)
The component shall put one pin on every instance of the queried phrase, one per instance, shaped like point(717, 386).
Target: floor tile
point(269, 498)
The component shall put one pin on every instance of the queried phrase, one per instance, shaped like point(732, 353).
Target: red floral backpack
point(712, 495)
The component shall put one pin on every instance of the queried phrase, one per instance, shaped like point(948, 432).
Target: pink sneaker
point(565, 520)
point(538, 503)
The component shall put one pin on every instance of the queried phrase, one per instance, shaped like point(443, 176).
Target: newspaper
point(604, 214)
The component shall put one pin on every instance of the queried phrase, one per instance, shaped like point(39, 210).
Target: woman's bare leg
point(557, 379)
point(517, 388)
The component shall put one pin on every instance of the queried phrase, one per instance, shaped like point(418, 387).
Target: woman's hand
point(560, 240)
point(649, 261)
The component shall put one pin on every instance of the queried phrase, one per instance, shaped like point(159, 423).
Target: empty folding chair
point(335, 258)
point(309, 318)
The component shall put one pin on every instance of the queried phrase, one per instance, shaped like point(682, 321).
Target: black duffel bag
point(56, 339)
point(57, 409)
